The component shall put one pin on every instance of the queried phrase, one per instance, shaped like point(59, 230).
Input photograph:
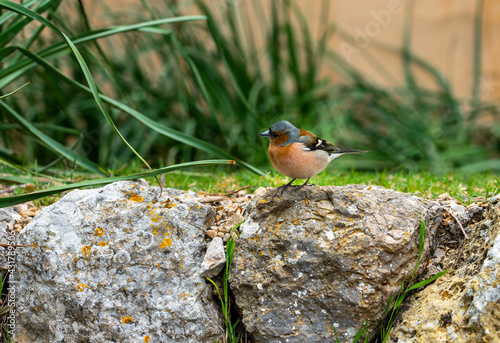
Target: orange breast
point(295, 162)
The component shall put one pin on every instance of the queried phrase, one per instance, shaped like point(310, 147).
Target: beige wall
point(442, 34)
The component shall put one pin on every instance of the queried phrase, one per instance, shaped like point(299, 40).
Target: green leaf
point(360, 333)
point(18, 199)
point(427, 281)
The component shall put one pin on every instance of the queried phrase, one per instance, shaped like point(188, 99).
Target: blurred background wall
point(370, 34)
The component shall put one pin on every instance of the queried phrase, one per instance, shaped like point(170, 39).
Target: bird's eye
point(273, 134)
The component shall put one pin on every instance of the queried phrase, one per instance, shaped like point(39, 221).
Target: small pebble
point(211, 233)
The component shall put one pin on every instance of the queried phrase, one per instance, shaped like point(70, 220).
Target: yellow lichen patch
point(261, 253)
point(166, 243)
point(86, 251)
point(147, 338)
point(199, 207)
point(168, 204)
point(136, 198)
point(155, 232)
point(126, 320)
point(82, 286)
point(75, 259)
point(102, 243)
point(261, 201)
point(99, 231)
point(159, 264)
point(134, 185)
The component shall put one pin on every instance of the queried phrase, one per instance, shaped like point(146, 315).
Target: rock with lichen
point(462, 306)
point(313, 259)
point(116, 264)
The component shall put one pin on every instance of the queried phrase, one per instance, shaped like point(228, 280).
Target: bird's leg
point(305, 183)
point(285, 186)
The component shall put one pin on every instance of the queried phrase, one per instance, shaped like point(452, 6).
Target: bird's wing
point(311, 142)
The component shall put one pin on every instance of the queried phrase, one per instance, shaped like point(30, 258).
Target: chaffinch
point(299, 154)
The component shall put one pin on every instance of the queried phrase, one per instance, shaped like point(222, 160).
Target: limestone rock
point(461, 306)
point(214, 260)
point(116, 264)
point(315, 258)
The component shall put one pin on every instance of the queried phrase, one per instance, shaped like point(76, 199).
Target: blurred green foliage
point(214, 82)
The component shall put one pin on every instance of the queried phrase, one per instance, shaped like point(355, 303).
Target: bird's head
point(282, 133)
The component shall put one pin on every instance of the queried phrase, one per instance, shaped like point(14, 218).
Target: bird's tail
point(339, 152)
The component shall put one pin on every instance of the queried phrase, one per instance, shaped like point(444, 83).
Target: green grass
point(467, 188)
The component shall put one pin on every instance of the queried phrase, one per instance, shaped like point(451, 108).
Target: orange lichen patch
point(99, 231)
point(86, 251)
point(136, 198)
point(34, 245)
point(166, 243)
point(126, 320)
point(134, 185)
point(147, 338)
point(159, 264)
point(102, 243)
point(82, 286)
point(76, 258)
point(77, 271)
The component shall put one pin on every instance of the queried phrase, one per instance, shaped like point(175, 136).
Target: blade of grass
point(17, 90)
point(18, 199)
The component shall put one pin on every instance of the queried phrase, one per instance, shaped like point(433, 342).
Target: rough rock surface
point(461, 306)
point(315, 258)
point(116, 264)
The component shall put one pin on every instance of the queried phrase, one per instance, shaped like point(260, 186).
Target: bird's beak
point(266, 134)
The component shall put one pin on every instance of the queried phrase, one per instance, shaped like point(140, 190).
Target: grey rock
point(214, 260)
point(315, 258)
point(116, 264)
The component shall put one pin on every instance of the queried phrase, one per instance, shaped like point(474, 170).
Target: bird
point(298, 153)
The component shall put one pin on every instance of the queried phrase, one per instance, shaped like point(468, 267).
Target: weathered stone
point(214, 260)
point(116, 264)
point(315, 258)
point(461, 306)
